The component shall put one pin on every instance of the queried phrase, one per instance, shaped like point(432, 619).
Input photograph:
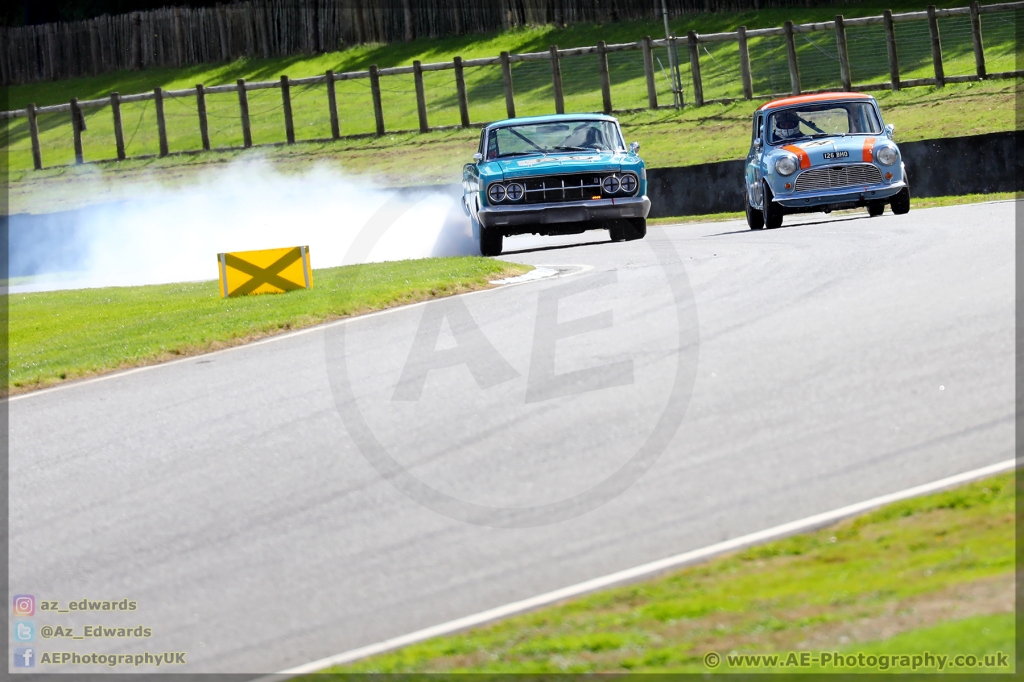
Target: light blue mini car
point(549, 175)
point(822, 152)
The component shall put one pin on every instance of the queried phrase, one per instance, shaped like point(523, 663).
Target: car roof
point(819, 97)
point(551, 118)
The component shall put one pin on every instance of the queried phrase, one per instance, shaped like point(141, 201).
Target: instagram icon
point(24, 605)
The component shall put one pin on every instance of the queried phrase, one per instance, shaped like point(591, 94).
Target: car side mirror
point(478, 157)
point(634, 147)
point(757, 143)
point(889, 127)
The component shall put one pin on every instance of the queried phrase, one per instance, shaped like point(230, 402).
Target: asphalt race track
point(702, 384)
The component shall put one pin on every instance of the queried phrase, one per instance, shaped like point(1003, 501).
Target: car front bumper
point(844, 195)
point(565, 212)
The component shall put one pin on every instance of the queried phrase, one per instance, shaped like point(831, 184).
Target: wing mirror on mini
point(634, 147)
point(889, 127)
point(757, 143)
point(478, 157)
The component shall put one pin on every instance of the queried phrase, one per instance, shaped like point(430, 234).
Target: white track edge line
point(285, 335)
point(642, 571)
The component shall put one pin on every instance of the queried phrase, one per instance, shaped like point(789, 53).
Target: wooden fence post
point(378, 109)
point(933, 28)
point(748, 86)
point(286, 103)
point(460, 88)
point(94, 48)
point(890, 45)
point(794, 67)
point(606, 83)
point(979, 47)
point(652, 87)
point(136, 48)
point(76, 127)
point(115, 108)
point(421, 98)
point(506, 76)
point(844, 54)
point(698, 85)
point(243, 109)
point(332, 105)
point(556, 80)
point(204, 126)
point(33, 131)
point(161, 123)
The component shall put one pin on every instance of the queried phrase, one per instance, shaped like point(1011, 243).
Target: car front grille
point(833, 177)
point(558, 188)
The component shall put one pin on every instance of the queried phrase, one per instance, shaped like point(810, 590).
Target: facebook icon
point(24, 657)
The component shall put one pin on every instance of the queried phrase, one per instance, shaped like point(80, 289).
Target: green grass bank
point(63, 335)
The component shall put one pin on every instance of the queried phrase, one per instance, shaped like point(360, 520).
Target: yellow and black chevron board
point(269, 271)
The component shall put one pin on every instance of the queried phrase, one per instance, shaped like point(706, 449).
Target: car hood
point(575, 162)
point(858, 147)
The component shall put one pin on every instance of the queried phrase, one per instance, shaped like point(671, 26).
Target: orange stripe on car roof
point(821, 96)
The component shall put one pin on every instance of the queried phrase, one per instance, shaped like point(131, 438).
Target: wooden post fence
point(332, 105)
point(698, 85)
point(933, 29)
point(844, 54)
point(421, 99)
point(979, 48)
point(33, 131)
point(652, 88)
point(243, 108)
point(161, 122)
point(460, 89)
point(556, 80)
point(506, 77)
point(76, 128)
point(748, 86)
point(204, 126)
point(606, 83)
point(890, 45)
point(286, 103)
point(794, 66)
point(115, 110)
point(378, 108)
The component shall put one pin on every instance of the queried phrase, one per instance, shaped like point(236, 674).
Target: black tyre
point(637, 229)
point(900, 203)
point(771, 212)
point(755, 219)
point(876, 208)
point(490, 241)
point(617, 231)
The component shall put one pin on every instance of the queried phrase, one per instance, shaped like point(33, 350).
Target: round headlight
point(785, 165)
point(610, 184)
point(496, 193)
point(886, 155)
point(514, 192)
point(628, 183)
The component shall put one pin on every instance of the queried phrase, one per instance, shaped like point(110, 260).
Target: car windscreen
point(819, 120)
point(560, 136)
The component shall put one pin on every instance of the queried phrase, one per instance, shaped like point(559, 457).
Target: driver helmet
point(787, 125)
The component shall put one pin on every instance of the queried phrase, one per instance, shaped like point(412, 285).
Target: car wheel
point(490, 241)
point(636, 229)
point(617, 231)
point(771, 212)
point(900, 203)
point(755, 219)
point(876, 208)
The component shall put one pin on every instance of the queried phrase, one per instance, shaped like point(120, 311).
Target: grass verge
point(928, 574)
point(928, 202)
point(61, 335)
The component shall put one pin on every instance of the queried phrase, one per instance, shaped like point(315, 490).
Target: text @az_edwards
point(96, 632)
point(54, 606)
point(112, 660)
